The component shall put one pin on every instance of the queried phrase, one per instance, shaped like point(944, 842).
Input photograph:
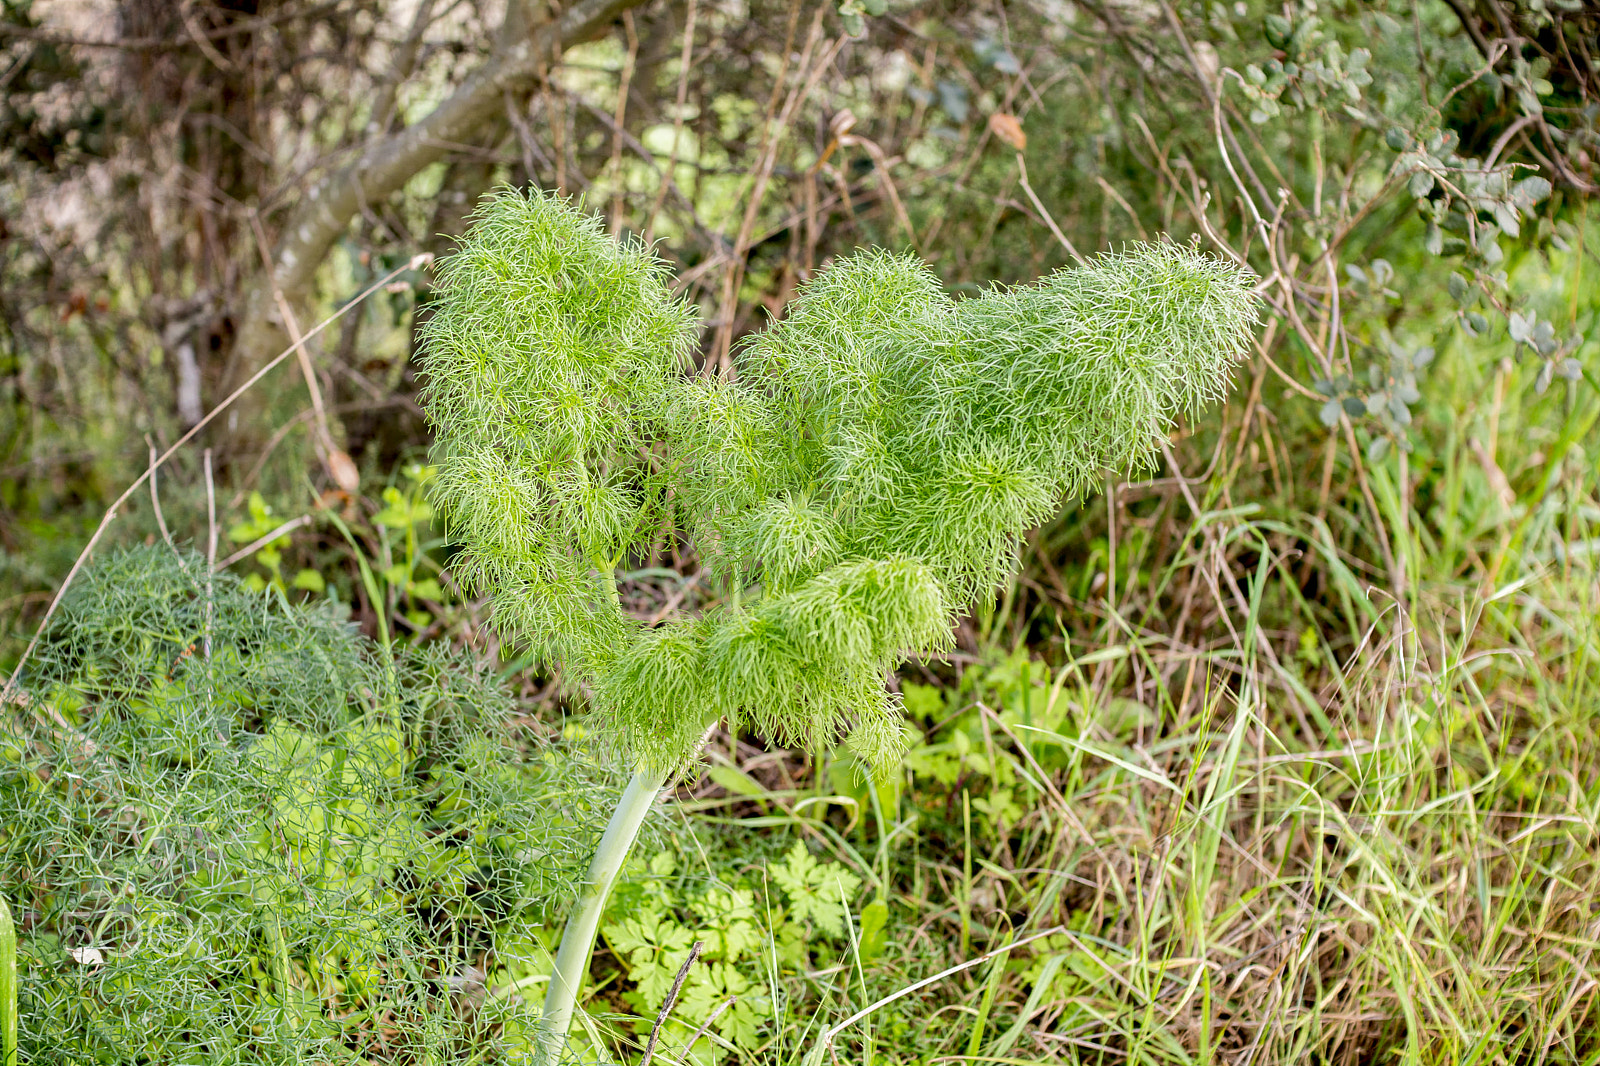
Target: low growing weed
point(235, 831)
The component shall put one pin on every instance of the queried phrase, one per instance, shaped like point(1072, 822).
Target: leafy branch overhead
point(861, 478)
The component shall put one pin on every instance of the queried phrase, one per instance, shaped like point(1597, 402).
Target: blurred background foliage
point(1312, 769)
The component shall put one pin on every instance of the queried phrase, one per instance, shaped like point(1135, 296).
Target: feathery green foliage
point(860, 480)
point(280, 852)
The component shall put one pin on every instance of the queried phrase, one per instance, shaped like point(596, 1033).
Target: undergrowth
point(236, 831)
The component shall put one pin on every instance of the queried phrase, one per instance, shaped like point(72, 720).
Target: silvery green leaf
point(1477, 323)
point(1542, 382)
point(1356, 273)
point(1570, 369)
point(1382, 271)
point(1397, 139)
point(1458, 287)
point(953, 98)
point(1401, 413)
point(1530, 191)
point(993, 53)
point(1377, 448)
point(1421, 183)
point(1354, 406)
point(1329, 414)
point(1423, 356)
point(1522, 326)
point(1433, 242)
point(1544, 338)
point(1407, 394)
point(1505, 216)
point(1377, 401)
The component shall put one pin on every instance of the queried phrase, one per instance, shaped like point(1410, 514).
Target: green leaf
point(309, 580)
point(1277, 30)
point(874, 916)
point(817, 891)
point(654, 947)
point(711, 986)
point(729, 919)
point(736, 781)
point(1530, 191)
point(1505, 216)
point(1521, 326)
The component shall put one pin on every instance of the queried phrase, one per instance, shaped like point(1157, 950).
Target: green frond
point(865, 479)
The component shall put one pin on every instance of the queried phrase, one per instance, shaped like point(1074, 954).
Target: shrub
point(235, 831)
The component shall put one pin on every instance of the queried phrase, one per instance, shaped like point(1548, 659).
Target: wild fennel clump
point(236, 831)
point(860, 482)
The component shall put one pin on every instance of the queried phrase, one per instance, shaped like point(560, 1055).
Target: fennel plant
point(860, 481)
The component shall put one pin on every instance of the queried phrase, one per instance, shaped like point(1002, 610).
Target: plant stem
point(577, 941)
point(8, 987)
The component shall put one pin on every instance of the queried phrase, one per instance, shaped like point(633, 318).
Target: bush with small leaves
point(861, 480)
point(235, 831)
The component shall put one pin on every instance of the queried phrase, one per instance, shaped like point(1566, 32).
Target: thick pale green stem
point(8, 987)
point(577, 941)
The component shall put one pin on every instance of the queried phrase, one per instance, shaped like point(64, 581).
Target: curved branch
point(389, 161)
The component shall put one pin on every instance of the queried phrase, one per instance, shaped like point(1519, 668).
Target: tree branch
point(1470, 24)
point(389, 161)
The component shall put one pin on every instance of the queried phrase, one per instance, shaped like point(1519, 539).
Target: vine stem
point(577, 940)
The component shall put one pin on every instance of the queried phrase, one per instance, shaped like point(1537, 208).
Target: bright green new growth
point(863, 480)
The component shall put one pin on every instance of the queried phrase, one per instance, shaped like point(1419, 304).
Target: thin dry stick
point(1022, 170)
point(670, 174)
point(127, 494)
point(261, 542)
point(670, 1002)
point(155, 497)
point(619, 198)
point(735, 276)
point(705, 1026)
point(334, 460)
